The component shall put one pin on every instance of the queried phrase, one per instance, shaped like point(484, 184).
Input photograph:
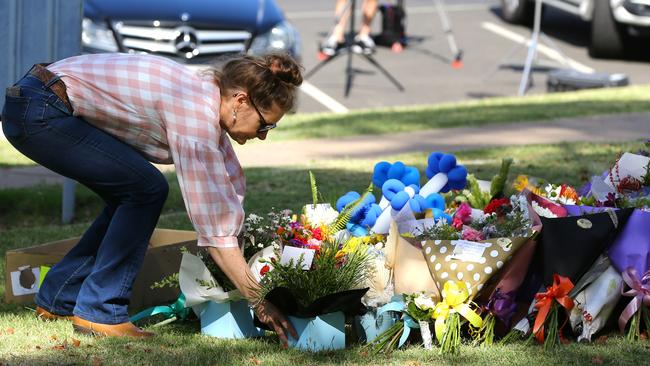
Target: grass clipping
point(333, 270)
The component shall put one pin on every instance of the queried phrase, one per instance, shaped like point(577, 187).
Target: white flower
point(541, 211)
point(323, 214)
point(424, 302)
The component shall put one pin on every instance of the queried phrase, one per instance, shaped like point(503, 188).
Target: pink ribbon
point(639, 289)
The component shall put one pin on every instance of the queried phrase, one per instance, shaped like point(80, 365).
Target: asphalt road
point(424, 68)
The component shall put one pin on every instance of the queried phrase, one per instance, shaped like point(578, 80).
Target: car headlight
point(282, 37)
point(97, 35)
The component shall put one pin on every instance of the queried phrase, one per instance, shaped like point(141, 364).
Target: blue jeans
point(94, 280)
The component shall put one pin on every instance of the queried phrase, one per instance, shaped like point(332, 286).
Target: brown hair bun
point(285, 68)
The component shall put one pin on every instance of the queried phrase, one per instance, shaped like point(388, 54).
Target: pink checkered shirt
point(171, 115)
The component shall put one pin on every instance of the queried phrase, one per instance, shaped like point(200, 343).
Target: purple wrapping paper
point(632, 246)
point(575, 210)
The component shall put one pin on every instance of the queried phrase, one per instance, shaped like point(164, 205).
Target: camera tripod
point(349, 70)
point(532, 45)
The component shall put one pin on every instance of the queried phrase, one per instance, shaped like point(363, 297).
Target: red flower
point(497, 205)
point(264, 269)
point(317, 233)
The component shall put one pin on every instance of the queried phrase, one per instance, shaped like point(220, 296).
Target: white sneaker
point(363, 44)
point(330, 46)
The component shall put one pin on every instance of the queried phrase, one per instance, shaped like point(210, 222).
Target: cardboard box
point(231, 320)
point(23, 267)
point(321, 333)
point(370, 325)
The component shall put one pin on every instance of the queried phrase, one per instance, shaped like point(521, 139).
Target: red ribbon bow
point(559, 292)
point(639, 289)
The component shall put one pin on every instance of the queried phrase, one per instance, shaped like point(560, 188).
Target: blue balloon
point(391, 187)
point(380, 173)
point(440, 215)
point(447, 162)
point(356, 230)
point(399, 200)
point(435, 200)
point(418, 203)
point(411, 176)
point(396, 171)
point(372, 213)
point(433, 163)
point(346, 199)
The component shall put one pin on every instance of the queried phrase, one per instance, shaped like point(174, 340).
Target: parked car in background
point(613, 22)
point(190, 31)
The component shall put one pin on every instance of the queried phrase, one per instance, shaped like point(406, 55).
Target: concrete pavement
point(615, 128)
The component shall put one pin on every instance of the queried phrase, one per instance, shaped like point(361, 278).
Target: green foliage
point(314, 189)
point(346, 214)
point(440, 231)
point(450, 343)
point(472, 194)
point(169, 281)
point(419, 314)
point(498, 183)
point(328, 274)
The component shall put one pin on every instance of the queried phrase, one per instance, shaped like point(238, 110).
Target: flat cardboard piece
point(162, 259)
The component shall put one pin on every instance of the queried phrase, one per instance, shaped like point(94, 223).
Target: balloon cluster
point(402, 195)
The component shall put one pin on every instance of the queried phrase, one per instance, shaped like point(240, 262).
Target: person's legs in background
point(363, 43)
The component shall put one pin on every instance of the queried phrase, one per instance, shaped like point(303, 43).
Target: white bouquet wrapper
point(425, 331)
point(191, 272)
point(628, 165)
point(595, 304)
point(379, 283)
point(415, 227)
point(255, 264)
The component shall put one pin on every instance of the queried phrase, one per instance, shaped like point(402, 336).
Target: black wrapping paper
point(570, 245)
point(348, 302)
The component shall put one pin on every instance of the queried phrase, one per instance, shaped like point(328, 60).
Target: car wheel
point(518, 11)
point(608, 38)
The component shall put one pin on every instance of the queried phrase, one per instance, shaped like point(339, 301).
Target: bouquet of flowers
point(416, 312)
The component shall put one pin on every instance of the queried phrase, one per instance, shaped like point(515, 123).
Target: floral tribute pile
point(444, 258)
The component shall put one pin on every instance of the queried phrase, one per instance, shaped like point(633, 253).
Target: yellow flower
point(340, 254)
point(520, 183)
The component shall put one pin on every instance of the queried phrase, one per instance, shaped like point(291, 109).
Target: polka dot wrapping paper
point(474, 263)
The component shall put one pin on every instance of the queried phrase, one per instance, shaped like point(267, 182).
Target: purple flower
point(502, 305)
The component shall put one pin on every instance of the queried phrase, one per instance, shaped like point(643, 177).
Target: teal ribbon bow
point(409, 323)
point(171, 312)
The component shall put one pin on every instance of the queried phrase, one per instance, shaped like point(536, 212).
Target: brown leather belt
point(58, 87)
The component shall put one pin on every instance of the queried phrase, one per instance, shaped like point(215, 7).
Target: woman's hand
point(268, 314)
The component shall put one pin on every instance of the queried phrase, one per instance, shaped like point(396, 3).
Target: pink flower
point(471, 234)
point(462, 216)
point(314, 243)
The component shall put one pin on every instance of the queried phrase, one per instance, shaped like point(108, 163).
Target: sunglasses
point(264, 127)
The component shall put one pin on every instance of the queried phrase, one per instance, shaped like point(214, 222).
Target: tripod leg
point(349, 74)
point(320, 65)
point(384, 71)
point(532, 50)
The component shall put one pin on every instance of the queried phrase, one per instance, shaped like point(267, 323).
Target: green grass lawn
point(474, 113)
point(29, 216)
